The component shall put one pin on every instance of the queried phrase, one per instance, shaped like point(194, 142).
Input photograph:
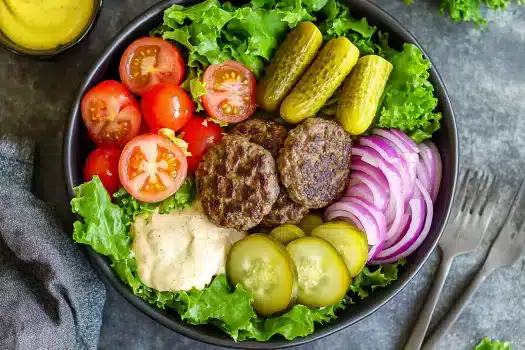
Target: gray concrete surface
point(484, 71)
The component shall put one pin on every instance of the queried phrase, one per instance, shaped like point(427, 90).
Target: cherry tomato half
point(200, 134)
point(152, 168)
point(111, 114)
point(103, 162)
point(149, 61)
point(166, 106)
point(230, 93)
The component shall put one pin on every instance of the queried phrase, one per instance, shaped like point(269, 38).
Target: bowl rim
point(100, 263)
point(13, 47)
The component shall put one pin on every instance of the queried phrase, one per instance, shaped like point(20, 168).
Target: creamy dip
point(181, 250)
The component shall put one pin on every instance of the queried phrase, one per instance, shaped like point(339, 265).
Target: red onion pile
point(390, 196)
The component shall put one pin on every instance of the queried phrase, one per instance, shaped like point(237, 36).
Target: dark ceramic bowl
point(19, 50)
point(77, 146)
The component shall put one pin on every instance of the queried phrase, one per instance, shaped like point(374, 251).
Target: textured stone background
point(484, 70)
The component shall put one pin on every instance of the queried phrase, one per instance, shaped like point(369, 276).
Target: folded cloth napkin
point(50, 298)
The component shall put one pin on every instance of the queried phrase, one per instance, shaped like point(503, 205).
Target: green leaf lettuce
point(408, 102)
point(488, 344)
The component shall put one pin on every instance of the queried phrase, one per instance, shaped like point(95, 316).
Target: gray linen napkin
point(50, 298)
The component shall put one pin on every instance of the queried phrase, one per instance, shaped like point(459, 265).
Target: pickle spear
point(333, 63)
point(361, 93)
point(290, 61)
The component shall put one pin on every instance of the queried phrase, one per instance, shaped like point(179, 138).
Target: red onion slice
point(432, 159)
point(380, 196)
point(360, 190)
point(366, 218)
point(405, 139)
point(423, 177)
point(387, 256)
point(381, 222)
point(405, 223)
point(375, 173)
point(392, 156)
point(408, 149)
point(396, 205)
point(345, 216)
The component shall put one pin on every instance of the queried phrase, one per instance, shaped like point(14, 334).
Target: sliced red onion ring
point(360, 190)
point(432, 159)
point(396, 205)
point(378, 215)
point(345, 216)
point(393, 156)
point(377, 175)
point(363, 215)
point(405, 139)
point(405, 223)
point(379, 193)
point(404, 143)
point(402, 249)
point(368, 221)
point(424, 177)
point(408, 149)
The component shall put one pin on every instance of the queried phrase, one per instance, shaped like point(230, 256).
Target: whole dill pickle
point(290, 61)
point(361, 93)
point(331, 66)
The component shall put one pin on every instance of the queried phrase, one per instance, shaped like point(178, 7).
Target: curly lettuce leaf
point(338, 22)
point(298, 322)
point(105, 225)
point(369, 280)
point(213, 32)
point(408, 102)
point(488, 344)
point(131, 206)
point(470, 10)
point(463, 10)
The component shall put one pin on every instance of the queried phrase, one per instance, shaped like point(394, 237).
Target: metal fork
point(464, 232)
point(505, 251)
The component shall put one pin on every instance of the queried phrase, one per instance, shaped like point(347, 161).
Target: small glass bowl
point(19, 50)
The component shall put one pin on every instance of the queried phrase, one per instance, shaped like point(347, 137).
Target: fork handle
point(454, 313)
point(420, 329)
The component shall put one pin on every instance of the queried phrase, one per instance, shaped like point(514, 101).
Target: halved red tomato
point(200, 134)
point(103, 162)
point(152, 168)
point(166, 106)
point(230, 93)
point(111, 114)
point(149, 61)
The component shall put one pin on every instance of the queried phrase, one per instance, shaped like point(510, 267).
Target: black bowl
point(77, 146)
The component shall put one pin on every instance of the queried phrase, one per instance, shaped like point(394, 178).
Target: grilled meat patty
point(265, 133)
point(284, 211)
point(237, 183)
point(314, 163)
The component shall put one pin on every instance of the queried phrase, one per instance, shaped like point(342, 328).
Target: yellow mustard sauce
point(44, 24)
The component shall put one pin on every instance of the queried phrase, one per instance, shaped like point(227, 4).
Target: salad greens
point(470, 10)
point(180, 200)
point(105, 229)
point(408, 101)
point(488, 344)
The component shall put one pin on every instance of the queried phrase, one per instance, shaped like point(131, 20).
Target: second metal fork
point(505, 251)
point(466, 228)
